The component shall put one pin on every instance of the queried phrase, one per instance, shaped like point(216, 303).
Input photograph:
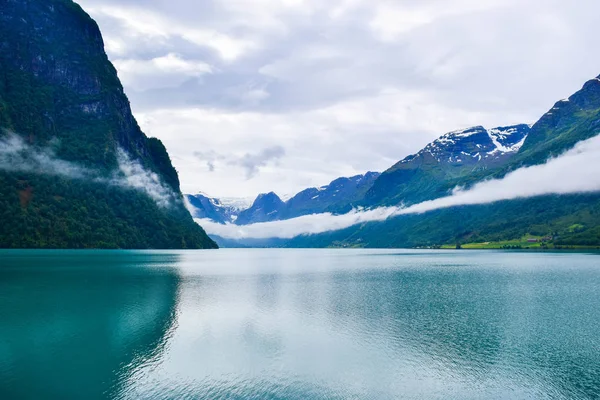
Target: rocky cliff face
point(54, 63)
point(58, 89)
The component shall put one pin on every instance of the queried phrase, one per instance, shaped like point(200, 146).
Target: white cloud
point(138, 21)
point(345, 86)
point(166, 71)
point(16, 155)
point(576, 171)
point(133, 175)
point(287, 229)
point(393, 18)
point(344, 139)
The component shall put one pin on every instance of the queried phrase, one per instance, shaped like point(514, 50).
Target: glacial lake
point(299, 324)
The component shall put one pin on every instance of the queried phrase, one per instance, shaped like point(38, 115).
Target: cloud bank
point(575, 171)
point(18, 156)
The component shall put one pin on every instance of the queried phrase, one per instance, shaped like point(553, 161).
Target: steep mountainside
point(568, 122)
point(570, 219)
point(457, 154)
point(62, 98)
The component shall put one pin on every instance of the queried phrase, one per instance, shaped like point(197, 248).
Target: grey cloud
point(481, 59)
point(252, 162)
point(440, 66)
point(249, 162)
point(210, 158)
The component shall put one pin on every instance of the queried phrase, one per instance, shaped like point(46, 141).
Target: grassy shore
point(521, 243)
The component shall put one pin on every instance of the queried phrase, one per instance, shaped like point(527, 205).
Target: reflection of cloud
point(16, 155)
point(576, 171)
point(250, 162)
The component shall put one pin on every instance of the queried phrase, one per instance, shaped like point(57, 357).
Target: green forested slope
point(540, 216)
point(59, 90)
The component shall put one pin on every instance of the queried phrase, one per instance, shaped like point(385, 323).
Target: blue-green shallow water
point(299, 324)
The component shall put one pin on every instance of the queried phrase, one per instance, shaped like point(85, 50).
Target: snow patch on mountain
point(474, 144)
point(236, 203)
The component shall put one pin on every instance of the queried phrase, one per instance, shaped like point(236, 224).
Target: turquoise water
point(299, 324)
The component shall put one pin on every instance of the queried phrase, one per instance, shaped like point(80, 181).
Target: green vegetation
point(53, 212)
point(493, 223)
point(58, 89)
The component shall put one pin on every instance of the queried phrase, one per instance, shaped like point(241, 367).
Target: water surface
point(299, 324)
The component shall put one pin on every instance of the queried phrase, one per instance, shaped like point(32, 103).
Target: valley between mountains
point(457, 160)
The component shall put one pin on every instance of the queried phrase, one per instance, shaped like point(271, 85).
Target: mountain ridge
point(339, 196)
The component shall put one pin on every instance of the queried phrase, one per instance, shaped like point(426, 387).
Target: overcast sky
point(251, 96)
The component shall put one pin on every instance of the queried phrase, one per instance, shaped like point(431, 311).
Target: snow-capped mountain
point(235, 203)
point(221, 210)
point(339, 196)
point(430, 173)
point(472, 145)
point(424, 175)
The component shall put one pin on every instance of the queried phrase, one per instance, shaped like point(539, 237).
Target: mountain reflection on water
point(75, 324)
point(303, 324)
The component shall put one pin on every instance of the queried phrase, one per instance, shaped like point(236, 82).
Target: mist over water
point(299, 324)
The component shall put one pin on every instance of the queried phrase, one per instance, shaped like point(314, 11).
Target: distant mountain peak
point(474, 144)
point(267, 197)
